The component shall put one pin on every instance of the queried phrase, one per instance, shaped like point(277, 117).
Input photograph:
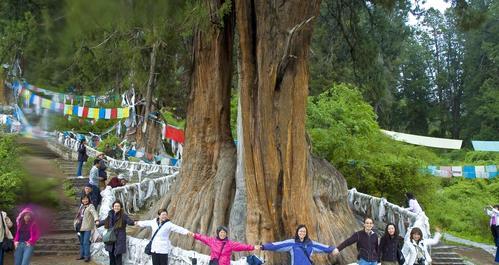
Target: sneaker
point(80, 258)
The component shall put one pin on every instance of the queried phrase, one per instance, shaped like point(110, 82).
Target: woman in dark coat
point(82, 156)
point(118, 220)
point(391, 245)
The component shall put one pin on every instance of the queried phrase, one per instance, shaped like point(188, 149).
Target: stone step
point(56, 253)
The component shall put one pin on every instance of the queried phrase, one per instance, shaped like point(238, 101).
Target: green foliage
point(11, 175)
point(172, 119)
point(458, 208)
point(344, 131)
point(110, 140)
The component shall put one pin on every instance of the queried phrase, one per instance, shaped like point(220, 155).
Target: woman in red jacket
point(221, 247)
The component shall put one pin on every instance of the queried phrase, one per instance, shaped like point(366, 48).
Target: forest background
point(370, 69)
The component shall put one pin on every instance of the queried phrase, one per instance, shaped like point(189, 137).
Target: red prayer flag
point(85, 112)
point(175, 134)
point(114, 113)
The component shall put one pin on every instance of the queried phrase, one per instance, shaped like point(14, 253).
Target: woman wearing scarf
point(415, 249)
point(301, 247)
point(116, 220)
point(221, 247)
point(27, 235)
point(84, 224)
point(161, 228)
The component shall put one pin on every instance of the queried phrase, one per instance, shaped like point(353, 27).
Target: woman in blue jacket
point(300, 248)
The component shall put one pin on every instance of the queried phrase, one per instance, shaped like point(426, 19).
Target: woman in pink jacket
point(221, 247)
point(27, 234)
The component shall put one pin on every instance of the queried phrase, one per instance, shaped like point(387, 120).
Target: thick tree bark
point(201, 199)
point(281, 179)
point(284, 185)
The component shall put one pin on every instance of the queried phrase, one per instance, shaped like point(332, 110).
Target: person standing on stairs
point(5, 233)
point(390, 246)
point(116, 221)
point(160, 241)
point(84, 224)
point(101, 157)
point(415, 248)
point(82, 156)
point(27, 235)
point(367, 244)
point(94, 197)
point(301, 247)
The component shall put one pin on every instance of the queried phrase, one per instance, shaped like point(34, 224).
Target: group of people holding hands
point(390, 249)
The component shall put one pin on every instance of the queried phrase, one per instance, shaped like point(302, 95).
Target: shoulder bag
point(147, 250)
point(215, 261)
point(7, 244)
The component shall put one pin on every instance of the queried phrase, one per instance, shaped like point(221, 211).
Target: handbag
point(8, 243)
point(147, 249)
point(215, 261)
point(109, 236)
point(400, 257)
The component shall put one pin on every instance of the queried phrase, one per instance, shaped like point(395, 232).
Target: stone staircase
point(445, 255)
point(61, 239)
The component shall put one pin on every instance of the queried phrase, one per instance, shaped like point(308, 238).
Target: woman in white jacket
point(161, 245)
point(415, 248)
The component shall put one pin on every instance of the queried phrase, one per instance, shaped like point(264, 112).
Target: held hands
point(336, 252)
point(191, 234)
point(258, 247)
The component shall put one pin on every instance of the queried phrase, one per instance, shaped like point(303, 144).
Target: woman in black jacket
point(390, 246)
point(117, 220)
point(82, 156)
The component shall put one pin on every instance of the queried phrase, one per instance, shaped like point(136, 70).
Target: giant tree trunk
point(284, 185)
point(201, 200)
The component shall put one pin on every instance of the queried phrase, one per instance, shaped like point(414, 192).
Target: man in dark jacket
point(82, 156)
point(367, 244)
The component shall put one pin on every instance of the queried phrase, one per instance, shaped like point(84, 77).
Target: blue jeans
point(365, 262)
point(85, 244)
point(80, 167)
point(23, 253)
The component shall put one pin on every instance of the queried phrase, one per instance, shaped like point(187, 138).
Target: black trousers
point(159, 259)
point(495, 233)
point(115, 259)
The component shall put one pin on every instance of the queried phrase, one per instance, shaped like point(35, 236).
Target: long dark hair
point(395, 235)
point(297, 238)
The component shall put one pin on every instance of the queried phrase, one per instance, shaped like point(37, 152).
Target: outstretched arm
point(321, 248)
point(203, 239)
point(348, 241)
point(281, 246)
point(237, 246)
point(178, 229)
